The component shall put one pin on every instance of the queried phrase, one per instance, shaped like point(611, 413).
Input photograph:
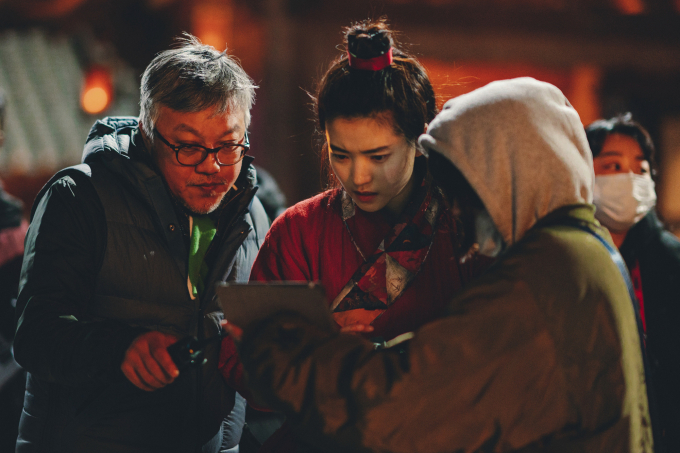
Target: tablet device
point(246, 303)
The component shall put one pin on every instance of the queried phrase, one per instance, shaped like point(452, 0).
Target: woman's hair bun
point(368, 43)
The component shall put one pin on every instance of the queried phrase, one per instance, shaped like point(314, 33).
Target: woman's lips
point(365, 197)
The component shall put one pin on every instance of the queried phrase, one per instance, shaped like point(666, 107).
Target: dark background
point(608, 56)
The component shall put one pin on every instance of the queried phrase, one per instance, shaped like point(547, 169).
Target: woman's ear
point(419, 150)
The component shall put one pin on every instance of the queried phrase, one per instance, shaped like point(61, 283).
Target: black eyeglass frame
point(177, 148)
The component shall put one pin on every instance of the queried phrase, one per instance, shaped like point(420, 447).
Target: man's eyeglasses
point(192, 155)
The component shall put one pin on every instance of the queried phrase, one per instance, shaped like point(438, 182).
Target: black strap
point(620, 263)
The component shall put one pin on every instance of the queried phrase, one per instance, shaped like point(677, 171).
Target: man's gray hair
point(192, 78)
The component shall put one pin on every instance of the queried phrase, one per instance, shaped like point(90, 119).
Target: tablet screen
point(246, 303)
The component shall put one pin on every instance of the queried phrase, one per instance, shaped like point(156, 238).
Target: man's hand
point(147, 363)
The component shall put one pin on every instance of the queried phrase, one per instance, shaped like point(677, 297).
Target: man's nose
point(209, 166)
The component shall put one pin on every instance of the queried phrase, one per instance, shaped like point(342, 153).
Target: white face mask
point(488, 237)
point(623, 199)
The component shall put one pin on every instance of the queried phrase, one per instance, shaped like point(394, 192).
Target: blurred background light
point(97, 92)
point(211, 22)
point(630, 7)
point(95, 100)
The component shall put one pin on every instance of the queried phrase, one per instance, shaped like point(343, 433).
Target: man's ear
point(145, 138)
point(141, 129)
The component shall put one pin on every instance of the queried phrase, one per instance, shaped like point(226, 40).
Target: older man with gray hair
point(122, 258)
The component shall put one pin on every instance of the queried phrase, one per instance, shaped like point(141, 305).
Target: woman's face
point(372, 162)
point(620, 154)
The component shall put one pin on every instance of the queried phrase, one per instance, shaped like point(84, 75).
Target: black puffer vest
point(143, 283)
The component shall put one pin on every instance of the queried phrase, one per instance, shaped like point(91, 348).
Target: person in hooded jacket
point(539, 354)
point(122, 258)
point(625, 198)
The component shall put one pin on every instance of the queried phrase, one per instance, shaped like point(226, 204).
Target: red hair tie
point(370, 64)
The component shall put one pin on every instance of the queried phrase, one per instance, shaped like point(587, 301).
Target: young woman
point(383, 240)
point(384, 244)
point(625, 197)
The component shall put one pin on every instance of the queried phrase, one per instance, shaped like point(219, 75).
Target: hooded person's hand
point(234, 331)
point(147, 363)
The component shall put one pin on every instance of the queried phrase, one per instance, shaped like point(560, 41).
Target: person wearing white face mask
point(624, 188)
point(625, 198)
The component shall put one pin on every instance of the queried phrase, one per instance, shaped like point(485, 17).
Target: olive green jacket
point(540, 354)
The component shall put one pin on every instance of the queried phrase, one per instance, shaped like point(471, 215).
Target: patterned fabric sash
point(387, 273)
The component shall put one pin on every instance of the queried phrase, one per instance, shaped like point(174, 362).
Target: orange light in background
point(451, 79)
point(580, 84)
point(584, 92)
point(212, 22)
point(97, 92)
point(630, 7)
point(95, 100)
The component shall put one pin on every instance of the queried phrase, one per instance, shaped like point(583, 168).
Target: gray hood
point(521, 146)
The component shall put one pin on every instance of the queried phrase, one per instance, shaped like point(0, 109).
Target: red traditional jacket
point(310, 242)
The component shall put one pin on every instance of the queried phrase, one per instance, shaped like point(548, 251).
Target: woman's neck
point(396, 206)
point(618, 237)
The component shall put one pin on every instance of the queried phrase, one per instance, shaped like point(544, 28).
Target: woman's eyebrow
point(368, 151)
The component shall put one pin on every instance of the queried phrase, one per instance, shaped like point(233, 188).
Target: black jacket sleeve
point(55, 340)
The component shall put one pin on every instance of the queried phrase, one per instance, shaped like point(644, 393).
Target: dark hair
point(598, 131)
point(402, 88)
point(459, 193)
